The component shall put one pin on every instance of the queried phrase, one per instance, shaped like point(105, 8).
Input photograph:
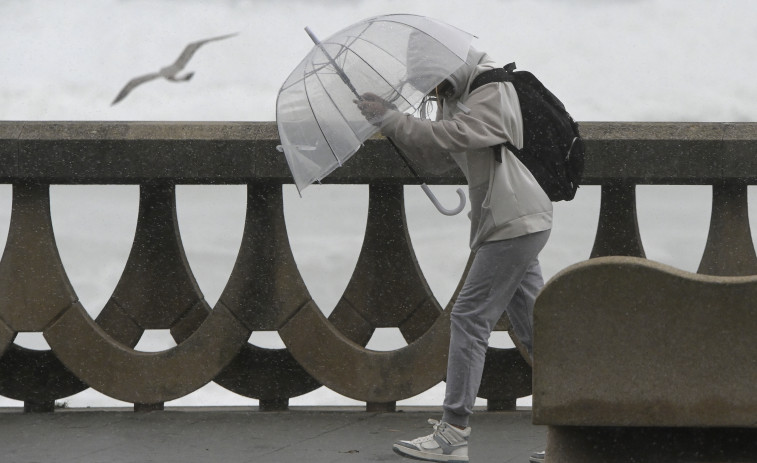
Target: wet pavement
point(235, 435)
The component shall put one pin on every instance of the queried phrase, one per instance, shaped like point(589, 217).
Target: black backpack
point(553, 150)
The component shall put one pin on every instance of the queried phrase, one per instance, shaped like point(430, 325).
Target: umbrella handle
point(439, 206)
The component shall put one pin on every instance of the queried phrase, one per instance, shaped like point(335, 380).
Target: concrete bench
point(638, 361)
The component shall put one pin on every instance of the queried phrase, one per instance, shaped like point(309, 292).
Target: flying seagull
point(169, 72)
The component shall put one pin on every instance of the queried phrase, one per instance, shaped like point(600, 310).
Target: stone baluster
point(618, 227)
point(264, 290)
point(387, 289)
point(34, 291)
point(729, 250)
point(156, 291)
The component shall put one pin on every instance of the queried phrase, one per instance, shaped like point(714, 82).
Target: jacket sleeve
point(484, 124)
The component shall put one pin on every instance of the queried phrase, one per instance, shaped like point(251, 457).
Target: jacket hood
point(475, 63)
point(427, 66)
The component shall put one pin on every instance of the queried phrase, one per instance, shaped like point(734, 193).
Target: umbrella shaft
point(338, 68)
point(405, 159)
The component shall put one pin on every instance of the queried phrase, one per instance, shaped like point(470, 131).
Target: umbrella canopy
point(400, 58)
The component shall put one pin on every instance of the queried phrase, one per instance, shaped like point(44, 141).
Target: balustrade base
point(381, 407)
point(501, 405)
point(576, 444)
point(273, 405)
point(143, 408)
point(34, 407)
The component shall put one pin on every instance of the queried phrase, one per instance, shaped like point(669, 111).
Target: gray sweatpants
point(504, 276)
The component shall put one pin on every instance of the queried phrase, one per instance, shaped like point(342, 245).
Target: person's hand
point(373, 107)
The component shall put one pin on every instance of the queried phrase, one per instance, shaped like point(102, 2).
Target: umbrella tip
point(312, 35)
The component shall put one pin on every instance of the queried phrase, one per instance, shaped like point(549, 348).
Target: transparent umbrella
point(400, 58)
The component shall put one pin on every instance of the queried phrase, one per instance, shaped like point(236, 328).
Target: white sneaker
point(537, 457)
point(446, 444)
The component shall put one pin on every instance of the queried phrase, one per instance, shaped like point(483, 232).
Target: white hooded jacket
point(506, 201)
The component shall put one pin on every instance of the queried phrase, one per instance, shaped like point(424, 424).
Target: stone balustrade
point(265, 291)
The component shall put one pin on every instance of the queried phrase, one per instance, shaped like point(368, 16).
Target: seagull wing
point(133, 83)
point(190, 50)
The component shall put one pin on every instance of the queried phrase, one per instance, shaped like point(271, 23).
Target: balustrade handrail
point(72, 152)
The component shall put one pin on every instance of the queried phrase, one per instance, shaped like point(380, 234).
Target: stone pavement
point(236, 435)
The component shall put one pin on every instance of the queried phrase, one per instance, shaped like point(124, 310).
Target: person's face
point(444, 89)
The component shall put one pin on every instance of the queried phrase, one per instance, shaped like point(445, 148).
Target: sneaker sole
point(418, 455)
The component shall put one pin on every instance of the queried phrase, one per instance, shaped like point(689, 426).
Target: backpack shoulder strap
point(493, 75)
point(504, 74)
